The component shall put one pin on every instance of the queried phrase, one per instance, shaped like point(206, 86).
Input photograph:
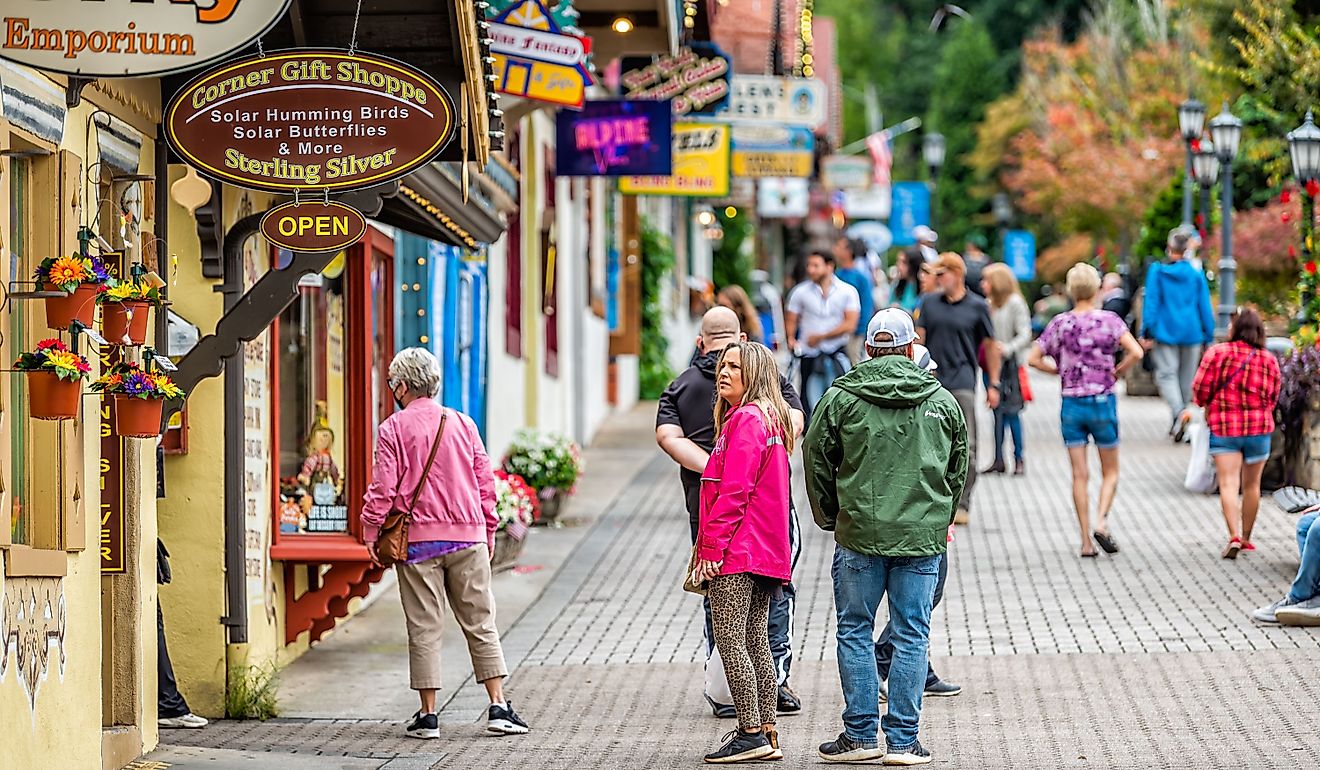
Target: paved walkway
point(1145, 659)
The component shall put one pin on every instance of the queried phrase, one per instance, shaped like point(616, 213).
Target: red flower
point(1313, 187)
point(1310, 267)
point(1285, 196)
point(1286, 216)
point(1292, 252)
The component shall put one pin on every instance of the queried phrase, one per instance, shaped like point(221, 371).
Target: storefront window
point(313, 425)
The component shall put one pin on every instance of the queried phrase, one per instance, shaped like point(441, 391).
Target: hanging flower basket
point(137, 417)
point(79, 306)
point(125, 323)
point(507, 550)
point(55, 379)
point(139, 394)
point(550, 463)
point(81, 278)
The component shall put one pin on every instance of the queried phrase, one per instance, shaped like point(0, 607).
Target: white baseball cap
point(921, 355)
point(893, 322)
point(924, 234)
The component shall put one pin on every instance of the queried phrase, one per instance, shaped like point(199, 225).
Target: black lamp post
point(1226, 130)
point(932, 151)
point(1191, 119)
point(1304, 147)
point(1205, 167)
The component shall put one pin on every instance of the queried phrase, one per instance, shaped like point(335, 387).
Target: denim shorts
point(1085, 417)
point(1254, 449)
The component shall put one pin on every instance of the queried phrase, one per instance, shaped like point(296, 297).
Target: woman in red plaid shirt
point(1238, 385)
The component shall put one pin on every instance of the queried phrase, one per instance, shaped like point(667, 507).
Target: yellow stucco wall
point(50, 693)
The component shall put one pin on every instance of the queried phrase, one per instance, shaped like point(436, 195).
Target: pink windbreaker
point(744, 499)
point(457, 502)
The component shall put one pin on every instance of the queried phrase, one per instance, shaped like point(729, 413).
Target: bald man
point(685, 430)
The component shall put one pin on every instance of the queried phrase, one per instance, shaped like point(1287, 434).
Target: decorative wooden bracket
point(73, 93)
point(210, 231)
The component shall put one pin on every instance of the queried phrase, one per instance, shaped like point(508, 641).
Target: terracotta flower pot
point(50, 398)
point(79, 306)
point(137, 417)
point(116, 325)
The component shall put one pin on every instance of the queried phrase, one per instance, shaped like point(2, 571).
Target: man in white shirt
point(822, 313)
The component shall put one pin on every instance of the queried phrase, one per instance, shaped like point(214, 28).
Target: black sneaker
point(424, 726)
point(942, 689)
point(503, 720)
point(721, 710)
point(844, 749)
point(741, 747)
point(912, 755)
point(788, 700)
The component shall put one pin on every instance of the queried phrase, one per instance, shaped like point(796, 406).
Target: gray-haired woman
point(450, 536)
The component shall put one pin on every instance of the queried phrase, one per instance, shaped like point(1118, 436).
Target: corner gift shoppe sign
point(119, 38)
point(311, 120)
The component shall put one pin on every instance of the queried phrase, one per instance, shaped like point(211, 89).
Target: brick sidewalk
point(1145, 659)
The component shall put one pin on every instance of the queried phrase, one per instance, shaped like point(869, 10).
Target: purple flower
point(99, 269)
point(136, 384)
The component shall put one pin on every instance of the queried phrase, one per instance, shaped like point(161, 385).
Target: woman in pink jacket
point(450, 536)
point(742, 543)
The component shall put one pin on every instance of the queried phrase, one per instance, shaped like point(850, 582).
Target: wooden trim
point(628, 339)
point(23, 561)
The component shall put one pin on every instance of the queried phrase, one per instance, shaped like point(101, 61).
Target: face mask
point(398, 403)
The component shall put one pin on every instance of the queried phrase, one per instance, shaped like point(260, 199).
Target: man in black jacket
point(685, 430)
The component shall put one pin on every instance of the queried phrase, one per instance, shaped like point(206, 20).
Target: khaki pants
point(464, 577)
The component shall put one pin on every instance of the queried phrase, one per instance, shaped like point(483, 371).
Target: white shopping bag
point(1201, 467)
point(717, 686)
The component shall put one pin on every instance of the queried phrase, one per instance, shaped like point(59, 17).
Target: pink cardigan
point(457, 502)
point(744, 499)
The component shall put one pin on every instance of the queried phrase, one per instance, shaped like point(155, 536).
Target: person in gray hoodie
point(1176, 325)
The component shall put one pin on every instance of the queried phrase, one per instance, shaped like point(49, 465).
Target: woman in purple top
point(1081, 347)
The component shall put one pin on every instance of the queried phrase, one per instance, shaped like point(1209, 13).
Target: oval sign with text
point(313, 227)
point(310, 119)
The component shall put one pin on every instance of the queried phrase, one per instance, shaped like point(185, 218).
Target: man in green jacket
point(886, 459)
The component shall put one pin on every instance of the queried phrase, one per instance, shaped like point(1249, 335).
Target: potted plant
point(55, 378)
point(550, 464)
point(517, 509)
point(138, 395)
point(80, 278)
point(125, 310)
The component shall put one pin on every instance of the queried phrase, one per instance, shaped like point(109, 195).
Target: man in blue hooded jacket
point(1176, 324)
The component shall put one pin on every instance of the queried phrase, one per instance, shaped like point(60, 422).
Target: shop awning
point(653, 26)
point(430, 204)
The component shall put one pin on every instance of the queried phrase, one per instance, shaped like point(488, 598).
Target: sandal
point(1088, 554)
point(1106, 542)
point(1231, 550)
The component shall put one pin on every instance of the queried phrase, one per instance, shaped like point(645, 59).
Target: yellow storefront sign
point(756, 165)
point(701, 165)
point(544, 81)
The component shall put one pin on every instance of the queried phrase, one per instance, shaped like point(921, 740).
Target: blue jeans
point(884, 646)
point(818, 374)
point(1307, 584)
point(1082, 418)
point(860, 582)
point(1013, 424)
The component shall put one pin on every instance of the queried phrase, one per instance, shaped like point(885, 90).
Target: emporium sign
point(701, 164)
point(310, 119)
point(116, 39)
point(696, 80)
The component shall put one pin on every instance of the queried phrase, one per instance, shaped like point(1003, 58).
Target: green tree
point(732, 263)
point(967, 77)
point(657, 262)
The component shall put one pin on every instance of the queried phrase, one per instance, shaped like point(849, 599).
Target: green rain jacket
point(886, 459)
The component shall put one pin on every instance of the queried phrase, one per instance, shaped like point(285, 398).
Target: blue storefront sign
point(910, 208)
point(1020, 254)
point(615, 138)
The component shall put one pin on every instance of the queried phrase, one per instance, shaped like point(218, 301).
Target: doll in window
point(320, 474)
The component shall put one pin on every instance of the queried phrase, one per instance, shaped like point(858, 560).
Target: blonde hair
point(1003, 284)
point(760, 376)
point(1083, 281)
point(741, 304)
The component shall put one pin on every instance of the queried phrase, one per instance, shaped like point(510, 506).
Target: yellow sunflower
point(67, 270)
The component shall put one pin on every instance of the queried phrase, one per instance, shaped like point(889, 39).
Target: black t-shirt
point(954, 333)
point(689, 403)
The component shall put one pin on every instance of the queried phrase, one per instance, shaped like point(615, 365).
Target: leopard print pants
point(739, 612)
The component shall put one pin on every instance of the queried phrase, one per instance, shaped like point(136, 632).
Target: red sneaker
point(1248, 547)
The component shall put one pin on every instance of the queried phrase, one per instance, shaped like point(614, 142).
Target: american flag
point(516, 529)
point(881, 157)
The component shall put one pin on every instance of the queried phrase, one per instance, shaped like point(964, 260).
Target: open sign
point(313, 227)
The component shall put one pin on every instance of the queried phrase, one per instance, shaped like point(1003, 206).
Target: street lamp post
point(1191, 119)
point(1205, 167)
point(1304, 149)
point(932, 151)
point(1002, 207)
point(1226, 130)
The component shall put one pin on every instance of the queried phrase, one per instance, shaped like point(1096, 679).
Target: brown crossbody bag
point(392, 542)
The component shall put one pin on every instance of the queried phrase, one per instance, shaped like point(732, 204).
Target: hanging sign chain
point(261, 49)
point(352, 45)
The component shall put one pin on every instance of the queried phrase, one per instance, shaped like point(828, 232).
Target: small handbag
point(689, 584)
point(392, 542)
